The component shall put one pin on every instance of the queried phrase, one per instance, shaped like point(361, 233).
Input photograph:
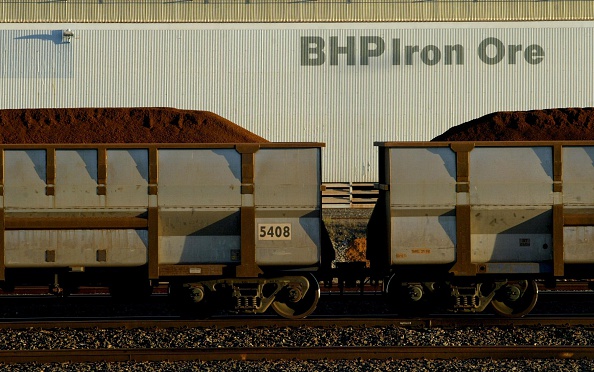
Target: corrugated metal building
point(345, 73)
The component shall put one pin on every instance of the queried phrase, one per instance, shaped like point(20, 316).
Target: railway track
point(299, 353)
point(453, 321)
point(90, 354)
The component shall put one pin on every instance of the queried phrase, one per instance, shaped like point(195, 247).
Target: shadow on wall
point(55, 36)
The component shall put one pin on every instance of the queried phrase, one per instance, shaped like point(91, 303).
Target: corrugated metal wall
point(255, 75)
point(293, 11)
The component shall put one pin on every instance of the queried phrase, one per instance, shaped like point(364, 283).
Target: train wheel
point(408, 299)
point(515, 299)
point(290, 303)
point(193, 303)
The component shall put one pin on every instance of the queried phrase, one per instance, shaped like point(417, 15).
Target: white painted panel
point(206, 235)
point(27, 248)
point(76, 179)
point(511, 234)
point(127, 178)
point(422, 176)
point(577, 244)
point(303, 247)
point(199, 177)
point(254, 75)
point(25, 177)
point(287, 178)
point(423, 239)
point(578, 175)
point(511, 176)
point(508, 248)
point(199, 249)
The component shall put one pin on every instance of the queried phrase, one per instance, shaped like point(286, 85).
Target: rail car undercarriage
point(508, 298)
point(291, 297)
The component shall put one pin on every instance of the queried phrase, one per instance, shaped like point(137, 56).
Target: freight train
point(463, 225)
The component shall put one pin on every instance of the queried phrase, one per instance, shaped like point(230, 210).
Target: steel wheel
point(408, 299)
point(285, 305)
point(515, 299)
point(189, 306)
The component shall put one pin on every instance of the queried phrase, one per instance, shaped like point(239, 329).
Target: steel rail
point(300, 353)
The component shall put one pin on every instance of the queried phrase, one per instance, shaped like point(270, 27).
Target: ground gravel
point(301, 337)
point(290, 337)
point(323, 366)
point(344, 226)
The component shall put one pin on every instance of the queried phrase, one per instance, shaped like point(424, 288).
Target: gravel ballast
point(322, 366)
point(290, 337)
point(300, 337)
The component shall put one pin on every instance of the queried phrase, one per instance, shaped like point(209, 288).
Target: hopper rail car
point(465, 225)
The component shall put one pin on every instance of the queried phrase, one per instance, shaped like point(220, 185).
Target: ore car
point(237, 222)
point(475, 224)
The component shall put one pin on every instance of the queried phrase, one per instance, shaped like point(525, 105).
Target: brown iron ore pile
point(118, 125)
point(574, 123)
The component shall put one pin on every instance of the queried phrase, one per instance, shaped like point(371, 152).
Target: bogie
point(291, 297)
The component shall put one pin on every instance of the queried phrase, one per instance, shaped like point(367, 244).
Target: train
point(238, 226)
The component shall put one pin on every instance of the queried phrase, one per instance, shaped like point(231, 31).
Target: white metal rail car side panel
point(286, 206)
point(199, 199)
point(91, 206)
point(422, 198)
point(489, 207)
point(578, 196)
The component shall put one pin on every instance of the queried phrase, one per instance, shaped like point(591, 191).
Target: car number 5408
point(276, 231)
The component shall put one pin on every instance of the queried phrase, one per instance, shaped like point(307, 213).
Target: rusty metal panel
point(511, 194)
point(191, 270)
point(71, 221)
point(517, 268)
point(27, 248)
